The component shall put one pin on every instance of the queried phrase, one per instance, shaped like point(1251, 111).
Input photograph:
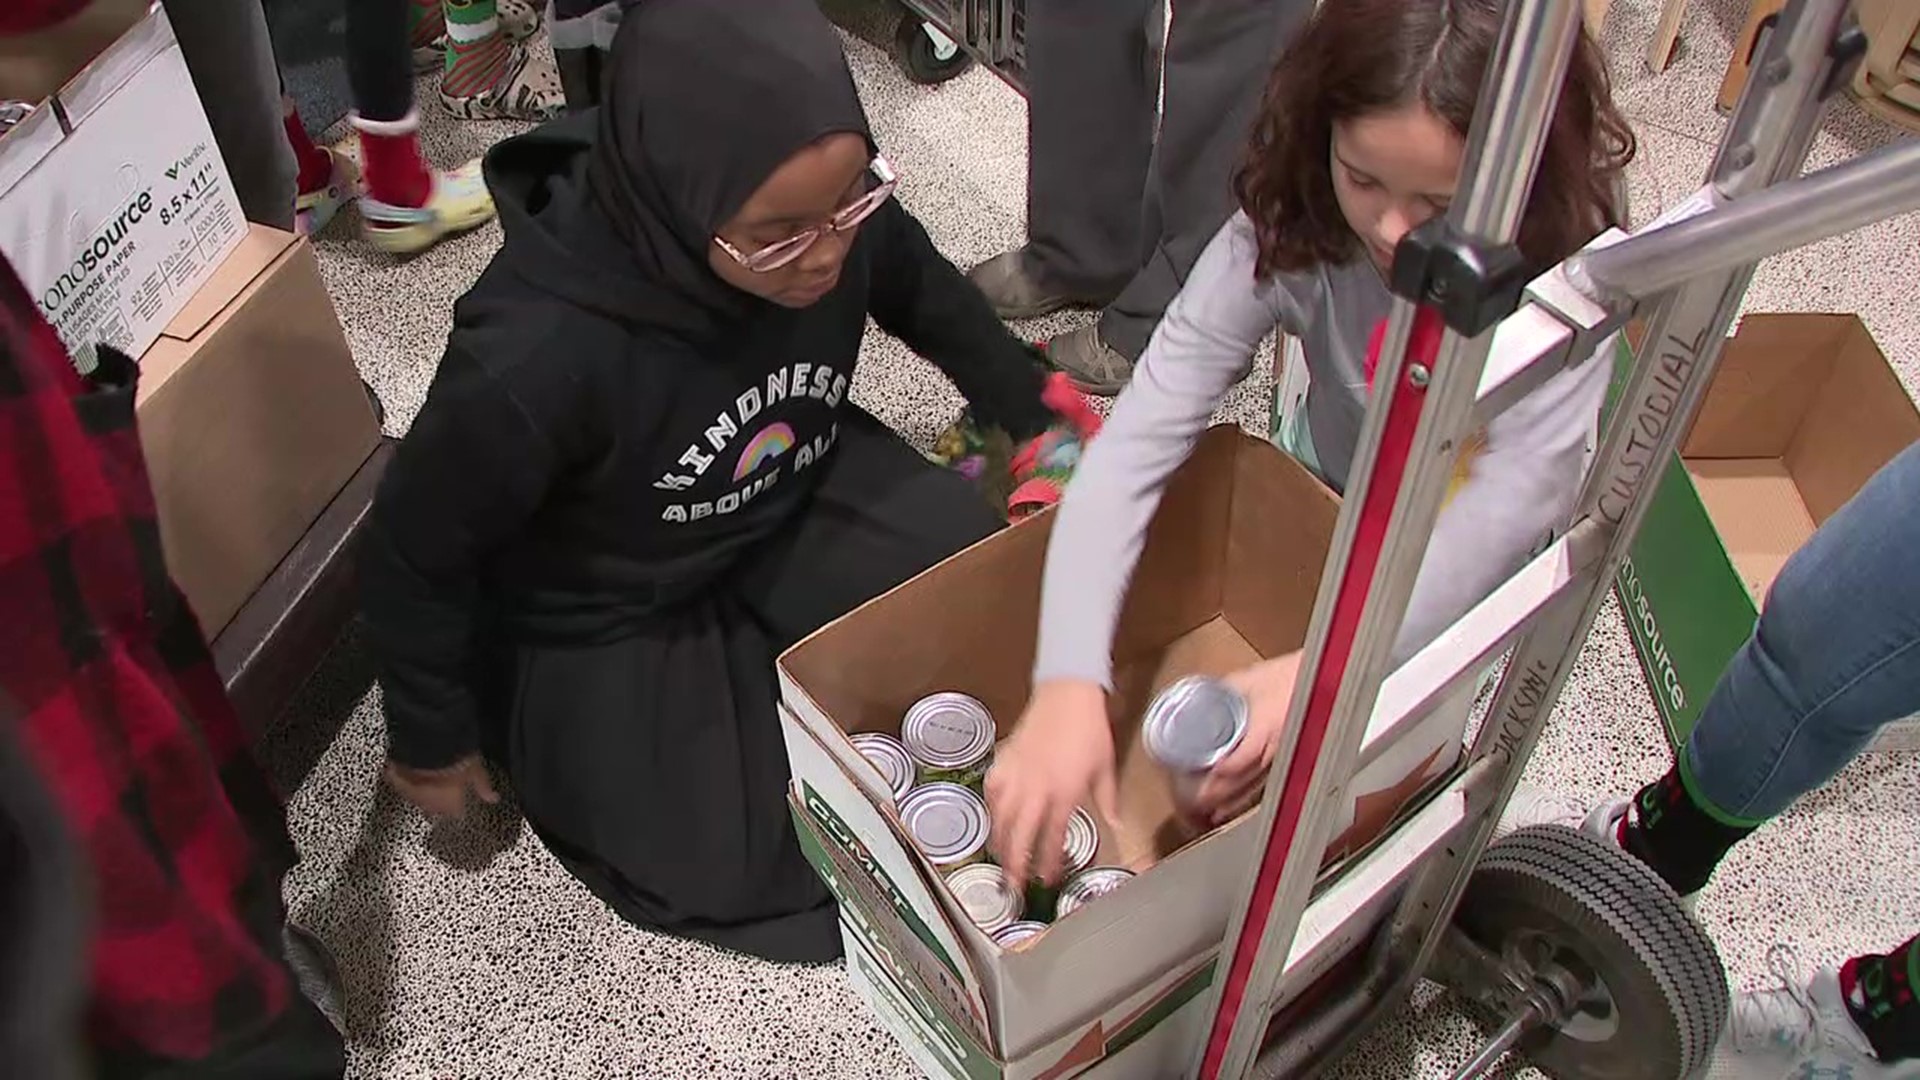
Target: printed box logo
point(1646, 626)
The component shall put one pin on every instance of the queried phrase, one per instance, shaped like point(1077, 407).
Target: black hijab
point(705, 99)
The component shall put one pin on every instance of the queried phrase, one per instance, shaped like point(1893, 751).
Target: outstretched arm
point(920, 297)
point(468, 476)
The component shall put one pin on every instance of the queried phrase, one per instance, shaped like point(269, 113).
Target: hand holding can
point(1190, 727)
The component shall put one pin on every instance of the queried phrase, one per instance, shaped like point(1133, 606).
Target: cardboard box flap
point(1861, 419)
point(112, 69)
point(1286, 549)
point(1757, 510)
point(1768, 374)
point(1182, 571)
point(258, 250)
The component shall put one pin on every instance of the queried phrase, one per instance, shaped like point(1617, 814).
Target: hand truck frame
point(1583, 951)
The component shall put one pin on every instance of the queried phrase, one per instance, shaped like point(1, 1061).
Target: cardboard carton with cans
point(1105, 976)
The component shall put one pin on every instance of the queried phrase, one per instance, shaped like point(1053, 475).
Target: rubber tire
point(1615, 914)
point(913, 51)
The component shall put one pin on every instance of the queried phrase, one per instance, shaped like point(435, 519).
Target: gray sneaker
point(1092, 366)
point(1535, 805)
point(1016, 291)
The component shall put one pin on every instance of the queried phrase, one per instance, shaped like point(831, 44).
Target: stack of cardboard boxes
point(117, 212)
point(1117, 989)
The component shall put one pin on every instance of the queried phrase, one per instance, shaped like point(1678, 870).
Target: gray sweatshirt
point(1522, 484)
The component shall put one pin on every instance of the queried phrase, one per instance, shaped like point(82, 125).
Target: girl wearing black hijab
point(637, 476)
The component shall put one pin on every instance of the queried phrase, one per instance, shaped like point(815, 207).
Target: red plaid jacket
point(26, 16)
point(126, 719)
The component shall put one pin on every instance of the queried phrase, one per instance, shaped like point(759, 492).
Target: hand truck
point(1583, 953)
point(935, 40)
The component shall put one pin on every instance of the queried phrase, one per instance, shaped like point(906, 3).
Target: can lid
point(1083, 840)
point(948, 730)
point(1091, 884)
point(886, 754)
point(948, 821)
point(1014, 933)
point(1194, 723)
point(983, 894)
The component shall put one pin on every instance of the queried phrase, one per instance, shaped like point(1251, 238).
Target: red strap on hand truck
point(1389, 472)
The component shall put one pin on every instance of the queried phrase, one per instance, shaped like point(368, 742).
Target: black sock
point(1670, 831)
point(1879, 990)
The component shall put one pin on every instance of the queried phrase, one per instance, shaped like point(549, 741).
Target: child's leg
point(380, 72)
point(489, 76)
point(407, 205)
point(1835, 656)
point(1879, 991)
point(582, 32)
point(326, 182)
point(427, 28)
point(1858, 1022)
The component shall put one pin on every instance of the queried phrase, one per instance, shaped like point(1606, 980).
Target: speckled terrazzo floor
point(469, 953)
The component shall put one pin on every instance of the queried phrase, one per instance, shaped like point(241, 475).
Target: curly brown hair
point(1355, 57)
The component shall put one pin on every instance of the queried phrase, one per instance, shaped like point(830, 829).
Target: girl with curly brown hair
point(1360, 139)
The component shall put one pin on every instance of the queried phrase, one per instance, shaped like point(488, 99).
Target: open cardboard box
point(1801, 412)
point(1231, 568)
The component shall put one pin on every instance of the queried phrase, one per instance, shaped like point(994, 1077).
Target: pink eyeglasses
point(774, 256)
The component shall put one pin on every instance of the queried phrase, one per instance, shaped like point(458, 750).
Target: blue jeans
point(1834, 657)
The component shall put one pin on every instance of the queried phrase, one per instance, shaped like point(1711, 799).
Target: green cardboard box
point(1802, 411)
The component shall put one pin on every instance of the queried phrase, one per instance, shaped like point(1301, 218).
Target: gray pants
point(1108, 210)
point(226, 47)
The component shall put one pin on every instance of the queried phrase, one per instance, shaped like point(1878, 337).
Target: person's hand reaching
point(442, 793)
point(1236, 783)
point(1059, 757)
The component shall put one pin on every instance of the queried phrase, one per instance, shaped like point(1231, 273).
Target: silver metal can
point(986, 897)
point(1191, 727)
point(948, 822)
point(1083, 843)
point(951, 737)
point(886, 755)
point(1014, 933)
point(1089, 885)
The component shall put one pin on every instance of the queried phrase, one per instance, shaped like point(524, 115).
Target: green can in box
point(950, 737)
point(1083, 842)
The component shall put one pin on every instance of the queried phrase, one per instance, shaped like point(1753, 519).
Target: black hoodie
point(612, 426)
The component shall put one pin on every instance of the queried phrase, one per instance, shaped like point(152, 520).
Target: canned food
point(949, 823)
point(950, 736)
point(885, 754)
point(1083, 841)
point(1089, 885)
point(1014, 933)
point(1191, 727)
point(986, 897)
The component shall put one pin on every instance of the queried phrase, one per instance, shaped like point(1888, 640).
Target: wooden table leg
point(1596, 15)
point(1666, 35)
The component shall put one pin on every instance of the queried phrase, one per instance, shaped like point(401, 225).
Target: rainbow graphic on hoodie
point(767, 444)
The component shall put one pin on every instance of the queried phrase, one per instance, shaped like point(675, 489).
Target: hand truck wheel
point(1605, 974)
point(926, 58)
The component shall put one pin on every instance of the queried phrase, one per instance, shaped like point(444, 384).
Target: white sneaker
point(1534, 805)
point(1799, 1033)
